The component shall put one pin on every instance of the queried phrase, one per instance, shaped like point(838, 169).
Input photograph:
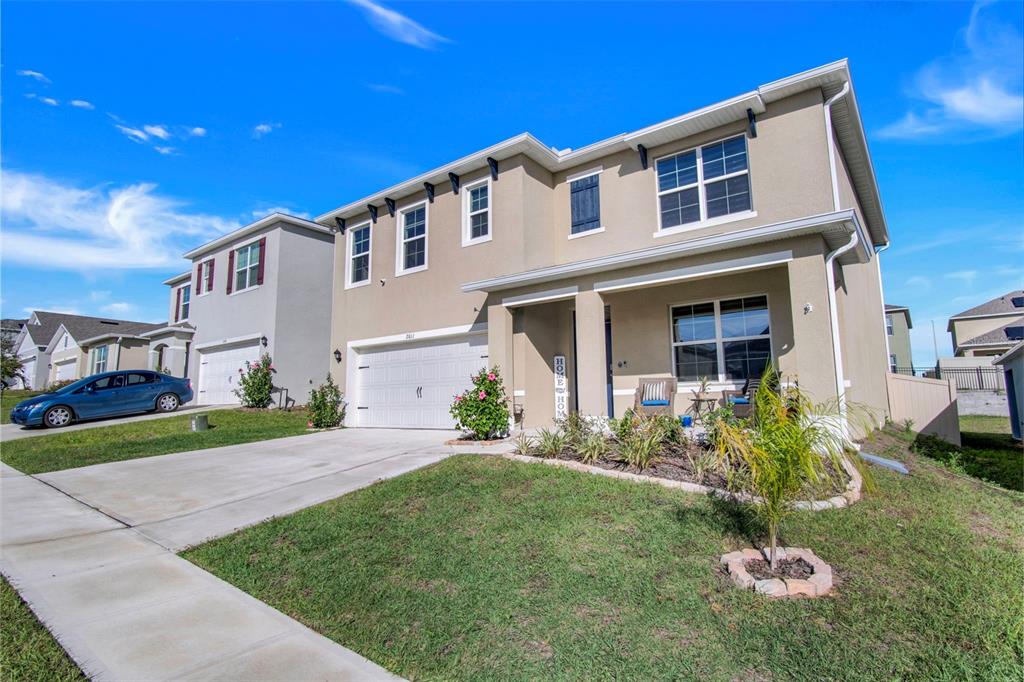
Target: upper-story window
point(359, 255)
point(204, 280)
point(412, 239)
point(704, 183)
point(888, 325)
point(727, 340)
point(185, 299)
point(585, 202)
point(247, 266)
point(99, 359)
point(476, 213)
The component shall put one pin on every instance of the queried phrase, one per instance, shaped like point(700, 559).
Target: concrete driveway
point(92, 552)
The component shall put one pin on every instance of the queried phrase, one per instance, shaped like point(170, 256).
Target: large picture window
point(726, 340)
point(412, 239)
point(247, 266)
point(704, 183)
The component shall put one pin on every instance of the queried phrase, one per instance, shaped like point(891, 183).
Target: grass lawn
point(69, 449)
point(10, 398)
point(987, 451)
point(482, 568)
point(27, 650)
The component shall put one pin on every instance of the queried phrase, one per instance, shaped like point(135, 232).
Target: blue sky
point(134, 131)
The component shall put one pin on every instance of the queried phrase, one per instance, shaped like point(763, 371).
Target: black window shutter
point(585, 201)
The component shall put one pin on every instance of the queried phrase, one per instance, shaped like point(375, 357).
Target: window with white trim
point(186, 298)
point(359, 255)
point(99, 359)
point(205, 283)
point(585, 203)
point(412, 239)
point(892, 363)
point(888, 325)
point(247, 266)
point(726, 340)
point(476, 213)
point(704, 183)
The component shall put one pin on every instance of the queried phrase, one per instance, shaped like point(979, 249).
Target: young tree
point(11, 367)
point(785, 447)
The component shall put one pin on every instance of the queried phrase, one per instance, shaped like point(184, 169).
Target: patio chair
point(742, 402)
point(656, 395)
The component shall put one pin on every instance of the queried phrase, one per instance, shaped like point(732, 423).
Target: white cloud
point(82, 104)
point(965, 276)
point(918, 282)
point(197, 132)
point(28, 73)
point(52, 225)
point(166, 151)
point(45, 100)
point(263, 129)
point(399, 27)
point(97, 296)
point(133, 134)
point(157, 131)
point(118, 308)
point(385, 88)
point(264, 212)
point(975, 90)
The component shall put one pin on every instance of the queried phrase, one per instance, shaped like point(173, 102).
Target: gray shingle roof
point(1003, 304)
point(900, 309)
point(996, 335)
point(81, 327)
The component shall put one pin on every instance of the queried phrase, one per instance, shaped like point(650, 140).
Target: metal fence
point(964, 378)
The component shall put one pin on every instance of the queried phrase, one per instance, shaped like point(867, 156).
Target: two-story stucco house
point(264, 288)
point(897, 330)
point(702, 246)
point(989, 329)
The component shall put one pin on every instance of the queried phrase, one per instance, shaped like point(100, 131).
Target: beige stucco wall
point(965, 330)
point(60, 355)
point(899, 341)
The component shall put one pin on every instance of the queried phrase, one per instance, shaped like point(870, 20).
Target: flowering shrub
point(256, 382)
point(326, 405)
point(482, 410)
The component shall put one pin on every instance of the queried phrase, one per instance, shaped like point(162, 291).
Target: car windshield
point(71, 388)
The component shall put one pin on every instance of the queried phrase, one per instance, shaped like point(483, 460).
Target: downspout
point(833, 311)
point(885, 334)
point(117, 352)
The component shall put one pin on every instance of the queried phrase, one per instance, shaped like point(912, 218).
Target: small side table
point(703, 407)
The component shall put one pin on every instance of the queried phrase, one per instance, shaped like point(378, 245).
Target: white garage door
point(218, 372)
point(67, 370)
point(412, 386)
point(28, 370)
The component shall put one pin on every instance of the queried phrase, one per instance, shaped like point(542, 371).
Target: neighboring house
point(264, 288)
point(897, 330)
point(989, 329)
point(31, 344)
point(1012, 364)
point(10, 329)
point(81, 346)
point(702, 246)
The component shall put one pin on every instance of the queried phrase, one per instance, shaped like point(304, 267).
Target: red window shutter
point(177, 306)
point(263, 258)
point(231, 268)
point(209, 276)
point(198, 288)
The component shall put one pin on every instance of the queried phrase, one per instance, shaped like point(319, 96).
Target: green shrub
point(57, 385)
point(641, 448)
point(550, 443)
point(326, 405)
point(524, 445)
point(623, 427)
point(256, 383)
point(575, 428)
point(592, 448)
point(482, 411)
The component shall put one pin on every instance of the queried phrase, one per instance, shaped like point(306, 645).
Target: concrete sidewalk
point(16, 431)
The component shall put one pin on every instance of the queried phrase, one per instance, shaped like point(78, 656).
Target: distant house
point(990, 329)
point(897, 330)
point(9, 329)
point(1012, 364)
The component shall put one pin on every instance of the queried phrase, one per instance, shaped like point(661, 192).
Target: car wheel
point(57, 416)
point(168, 402)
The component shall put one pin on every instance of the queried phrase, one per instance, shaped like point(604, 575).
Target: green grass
point(479, 568)
point(10, 398)
point(987, 450)
point(70, 449)
point(27, 650)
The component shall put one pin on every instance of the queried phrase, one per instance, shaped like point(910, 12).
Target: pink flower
point(458, 398)
point(483, 394)
point(271, 366)
point(309, 424)
point(491, 376)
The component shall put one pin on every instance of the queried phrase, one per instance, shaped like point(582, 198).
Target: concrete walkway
point(91, 551)
point(16, 431)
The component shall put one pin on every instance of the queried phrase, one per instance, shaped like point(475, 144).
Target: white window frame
point(467, 213)
point(893, 364)
point(204, 268)
point(234, 268)
point(349, 284)
point(96, 369)
point(701, 193)
point(182, 314)
point(719, 382)
point(400, 241)
point(569, 179)
point(889, 325)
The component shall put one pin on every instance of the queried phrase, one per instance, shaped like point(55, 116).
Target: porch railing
point(964, 378)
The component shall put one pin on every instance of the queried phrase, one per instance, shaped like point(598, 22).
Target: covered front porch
point(584, 343)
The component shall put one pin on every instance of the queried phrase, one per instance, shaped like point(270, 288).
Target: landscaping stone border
point(817, 585)
point(849, 496)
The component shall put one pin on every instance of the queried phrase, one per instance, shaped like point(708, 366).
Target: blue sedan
point(108, 394)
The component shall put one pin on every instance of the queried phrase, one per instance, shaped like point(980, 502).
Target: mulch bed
point(785, 568)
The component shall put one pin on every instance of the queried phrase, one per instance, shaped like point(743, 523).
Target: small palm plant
point(784, 447)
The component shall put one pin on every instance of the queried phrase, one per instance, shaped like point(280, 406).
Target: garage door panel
point(413, 385)
point(218, 372)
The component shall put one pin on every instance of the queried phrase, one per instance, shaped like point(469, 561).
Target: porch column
point(814, 364)
point(591, 363)
point(499, 342)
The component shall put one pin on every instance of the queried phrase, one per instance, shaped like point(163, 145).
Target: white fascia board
point(843, 221)
point(228, 341)
point(541, 297)
point(267, 221)
point(1010, 354)
point(166, 330)
point(423, 335)
point(758, 262)
point(178, 278)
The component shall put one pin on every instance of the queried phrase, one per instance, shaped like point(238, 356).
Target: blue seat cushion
point(739, 400)
point(654, 403)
